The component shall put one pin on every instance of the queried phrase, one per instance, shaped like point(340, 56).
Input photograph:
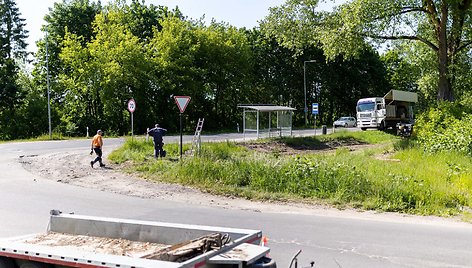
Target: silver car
point(345, 121)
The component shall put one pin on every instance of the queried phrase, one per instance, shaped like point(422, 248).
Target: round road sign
point(131, 106)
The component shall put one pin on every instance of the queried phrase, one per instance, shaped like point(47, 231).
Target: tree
point(142, 19)
point(104, 74)
point(277, 76)
point(173, 55)
point(444, 26)
point(123, 67)
point(401, 73)
point(68, 16)
point(31, 115)
point(12, 49)
point(224, 56)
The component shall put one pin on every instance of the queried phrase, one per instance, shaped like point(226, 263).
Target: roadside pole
point(314, 111)
point(314, 125)
point(131, 109)
point(182, 102)
point(181, 127)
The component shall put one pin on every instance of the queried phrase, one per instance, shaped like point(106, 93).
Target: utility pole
point(49, 91)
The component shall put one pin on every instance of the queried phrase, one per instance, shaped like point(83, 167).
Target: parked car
point(345, 121)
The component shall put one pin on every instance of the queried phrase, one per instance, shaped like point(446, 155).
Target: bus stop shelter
point(267, 120)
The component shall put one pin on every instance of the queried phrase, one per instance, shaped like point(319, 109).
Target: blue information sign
point(314, 108)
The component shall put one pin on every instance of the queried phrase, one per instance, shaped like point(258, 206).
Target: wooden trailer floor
point(105, 245)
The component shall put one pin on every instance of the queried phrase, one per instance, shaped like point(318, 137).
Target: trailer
point(88, 241)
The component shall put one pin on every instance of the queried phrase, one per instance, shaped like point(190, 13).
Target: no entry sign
point(182, 102)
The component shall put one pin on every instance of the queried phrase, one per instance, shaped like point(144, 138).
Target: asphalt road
point(330, 239)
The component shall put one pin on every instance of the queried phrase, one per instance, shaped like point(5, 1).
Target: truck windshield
point(365, 106)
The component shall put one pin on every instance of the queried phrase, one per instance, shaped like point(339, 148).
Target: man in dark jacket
point(157, 134)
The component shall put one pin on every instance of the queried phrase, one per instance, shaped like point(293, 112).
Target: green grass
point(405, 179)
point(44, 137)
point(371, 137)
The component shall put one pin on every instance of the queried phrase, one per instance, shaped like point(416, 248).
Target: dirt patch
point(74, 168)
point(306, 147)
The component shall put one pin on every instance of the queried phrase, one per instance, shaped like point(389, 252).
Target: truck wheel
point(363, 128)
point(6, 263)
point(382, 125)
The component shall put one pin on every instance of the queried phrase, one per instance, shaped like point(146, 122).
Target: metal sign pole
point(131, 109)
point(180, 135)
point(315, 125)
point(314, 111)
point(182, 102)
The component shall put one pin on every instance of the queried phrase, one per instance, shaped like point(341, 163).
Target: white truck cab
point(370, 112)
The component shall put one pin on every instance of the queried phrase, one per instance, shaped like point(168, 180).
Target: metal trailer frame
point(243, 240)
point(267, 108)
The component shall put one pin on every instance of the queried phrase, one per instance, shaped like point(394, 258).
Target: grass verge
point(395, 175)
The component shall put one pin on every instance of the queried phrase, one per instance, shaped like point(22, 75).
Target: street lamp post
point(304, 89)
point(49, 91)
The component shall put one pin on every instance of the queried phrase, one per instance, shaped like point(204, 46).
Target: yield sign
point(182, 102)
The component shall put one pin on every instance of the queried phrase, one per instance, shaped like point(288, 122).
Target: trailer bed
point(87, 241)
point(94, 244)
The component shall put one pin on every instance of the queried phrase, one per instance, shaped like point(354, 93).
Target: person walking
point(157, 133)
point(97, 144)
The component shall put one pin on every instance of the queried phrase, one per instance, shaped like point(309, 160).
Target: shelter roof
point(266, 107)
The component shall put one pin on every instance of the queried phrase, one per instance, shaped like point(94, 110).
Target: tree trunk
point(444, 83)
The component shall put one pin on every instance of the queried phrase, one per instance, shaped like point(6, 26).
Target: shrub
point(446, 127)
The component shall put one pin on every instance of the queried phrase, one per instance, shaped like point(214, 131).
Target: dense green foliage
point(446, 127)
point(377, 178)
point(439, 31)
point(12, 49)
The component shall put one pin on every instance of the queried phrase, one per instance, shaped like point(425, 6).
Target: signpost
point(131, 109)
point(182, 102)
point(314, 111)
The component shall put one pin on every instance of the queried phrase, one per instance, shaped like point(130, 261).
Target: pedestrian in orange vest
point(97, 144)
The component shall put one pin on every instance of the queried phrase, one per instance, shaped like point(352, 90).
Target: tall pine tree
point(12, 50)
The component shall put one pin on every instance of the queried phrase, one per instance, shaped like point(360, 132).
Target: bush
point(446, 127)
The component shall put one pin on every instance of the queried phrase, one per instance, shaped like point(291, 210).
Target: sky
point(239, 13)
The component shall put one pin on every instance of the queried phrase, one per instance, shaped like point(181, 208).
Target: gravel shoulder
point(74, 168)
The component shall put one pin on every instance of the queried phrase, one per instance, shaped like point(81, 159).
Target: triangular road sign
point(182, 102)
